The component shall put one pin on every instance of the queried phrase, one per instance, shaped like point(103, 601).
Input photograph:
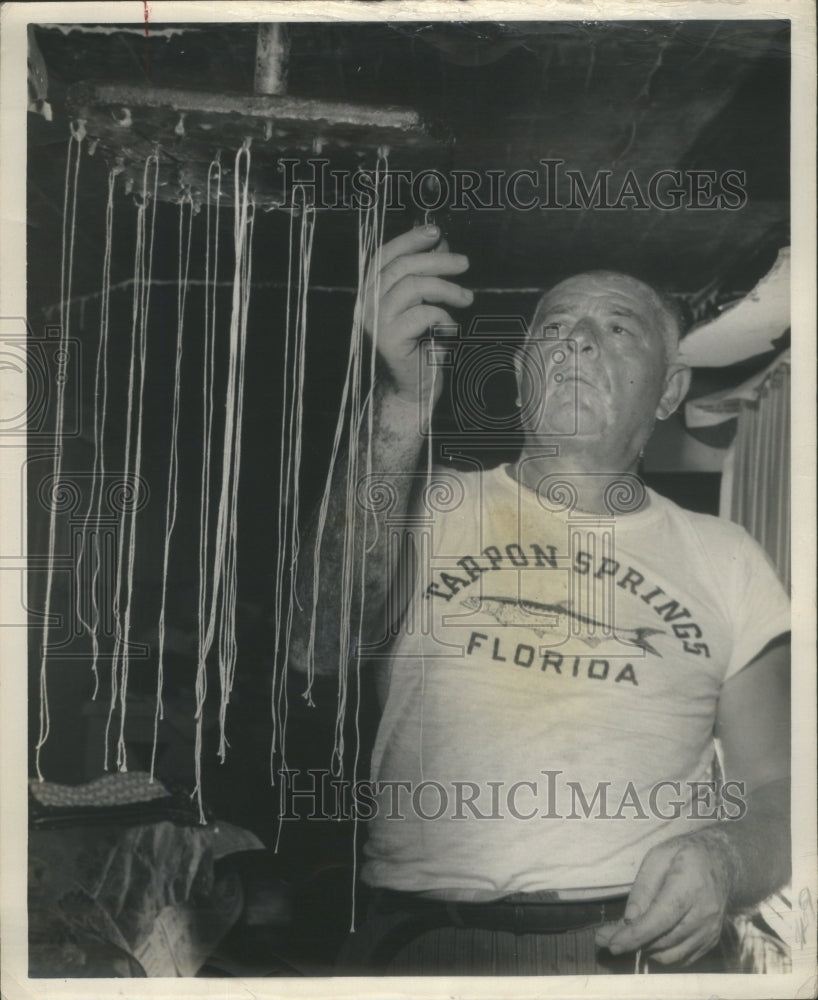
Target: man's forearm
point(687, 885)
point(754, 850)
point(391, 456)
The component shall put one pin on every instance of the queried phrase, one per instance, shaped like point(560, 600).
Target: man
point(572, 644)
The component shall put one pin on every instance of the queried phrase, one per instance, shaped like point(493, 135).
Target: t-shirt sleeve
point(761, 607)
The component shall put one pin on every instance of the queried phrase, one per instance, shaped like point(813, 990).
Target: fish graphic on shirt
point(509, 611)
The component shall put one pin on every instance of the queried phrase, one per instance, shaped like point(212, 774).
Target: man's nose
point(584, 336)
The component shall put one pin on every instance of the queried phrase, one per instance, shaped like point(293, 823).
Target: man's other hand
point(678, 901)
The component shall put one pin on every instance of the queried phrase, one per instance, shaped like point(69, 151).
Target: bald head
point(666, 316)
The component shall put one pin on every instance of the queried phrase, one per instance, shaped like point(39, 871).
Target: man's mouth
point(573, 377)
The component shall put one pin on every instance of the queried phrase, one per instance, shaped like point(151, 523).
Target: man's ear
point(677, 382)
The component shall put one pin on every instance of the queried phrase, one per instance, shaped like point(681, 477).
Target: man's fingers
point(647, 884)
point(606, 932)
point(694, 948)
point(690, 926)
point(695, 934)
point(663, 915)
point(405, 294)
point(422, 264)
point(656, 903)
point(414, 290)
point(416, 321)
point(415, 241)
point(645, 888)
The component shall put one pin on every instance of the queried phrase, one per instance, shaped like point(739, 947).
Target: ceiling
point(618, 97)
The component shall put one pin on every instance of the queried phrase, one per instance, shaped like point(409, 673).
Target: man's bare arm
point(402, 301)
point(686, 886)
point(396, 447)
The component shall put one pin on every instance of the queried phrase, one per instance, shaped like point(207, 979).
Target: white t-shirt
point(554, 690)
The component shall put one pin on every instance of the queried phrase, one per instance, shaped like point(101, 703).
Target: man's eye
point(616, 328)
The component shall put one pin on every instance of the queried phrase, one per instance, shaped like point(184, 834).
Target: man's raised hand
point(404, 298)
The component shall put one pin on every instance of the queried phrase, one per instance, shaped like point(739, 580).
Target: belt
point(515, 917)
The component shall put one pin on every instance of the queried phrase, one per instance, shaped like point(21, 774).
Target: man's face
point(596, 360)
